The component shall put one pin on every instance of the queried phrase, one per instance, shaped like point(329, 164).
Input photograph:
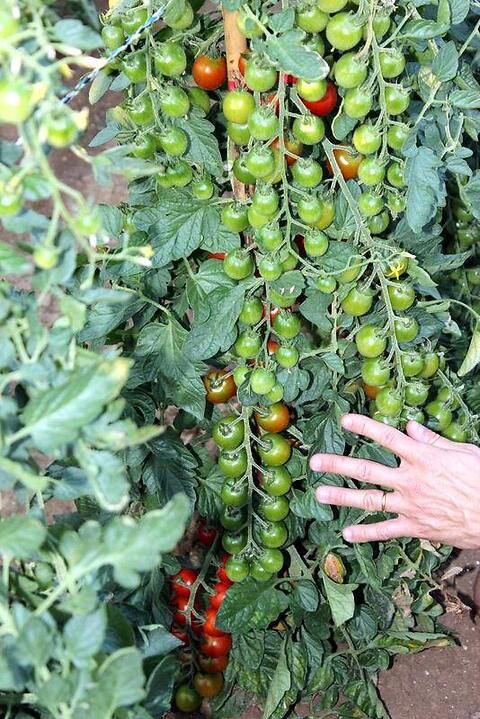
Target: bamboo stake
point(235, 45)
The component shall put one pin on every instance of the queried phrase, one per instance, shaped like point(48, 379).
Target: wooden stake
point(235, 45)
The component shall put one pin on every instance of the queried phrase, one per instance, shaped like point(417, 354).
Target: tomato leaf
point(281, 683)
point(76, 34)
point(340, 598)
point(472, 358)
point(425, 187)
point(83, 636)
point(21, 536)
point(11, 261)
point(445, 62)
point(203, 146)
point(250, 605)
point(289, 53)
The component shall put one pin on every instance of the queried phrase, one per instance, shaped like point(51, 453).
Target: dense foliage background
point(346, 279)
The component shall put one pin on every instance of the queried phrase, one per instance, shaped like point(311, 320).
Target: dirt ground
point(441, 683)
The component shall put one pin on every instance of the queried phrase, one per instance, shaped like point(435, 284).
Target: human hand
point(436, 488)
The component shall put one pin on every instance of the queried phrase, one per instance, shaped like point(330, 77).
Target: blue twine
point(90, 77)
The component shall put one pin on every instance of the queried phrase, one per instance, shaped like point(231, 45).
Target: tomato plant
point(294, 235)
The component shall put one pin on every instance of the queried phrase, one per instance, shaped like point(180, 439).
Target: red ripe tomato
point(273, 313)
point(209, 73)
point(179, 617)
point(221, 573)
point(272, 346)
point(212, 665)
point(348, 163)
point(242, 62)
point(181, 583)
point(216, 255)
point(221, 589)
point(180, 634)
point(209, 627)
point(205, 534)
point(216, 646)
point(326, 104)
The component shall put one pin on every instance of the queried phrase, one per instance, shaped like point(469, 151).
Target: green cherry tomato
point(344, 31)
point(269, 267)
point(232, 518)
point(357, 103)
point(397, 136)
point(263, 124)
point(271, 560)
point(16, 100)
point(391, 421)
point(379, 223)
point(358, 301)
point(395, 175)
point(259, 573)
point(371, 171)
point(307, 172)
point(370, 341)
point(132, 19)
point(367, 139)
point(311, 90)
point(276, 481)
point(309, 129)
point(184, 20)
point(134, 66)
point(397, 99)
point(145, 146)
point(349, 71)
point(238, 106)
point(401, 296)
point(326, 284)
point(446, 395)
point(287, 356)
point(234, 543)
point(238, 265)
point(406, 328)
point(392, 62)
point(237, 569)
point(44, 574)
point(233, 463)
point(274, 449)
point(228, 432)
point(310, 208)
point(174, 101)
point(370, 204)
point(455, 432)
point(257, 219)
point(141, 110)
point(266, 199)
point(352, 271)
point(439, 416)
point(260, 161)
point(248, 344)
point(45, 257)
point(174, 141)
point(270, 237)
point(396, 203)
point(315, 243)
point(240, 374)
point(375, 372)
point(234, 217)
point(389, 402)
point(203, 188)
point(170, 59)
point(187, 699)
point(180, 174)
point(262, 381)
point(272, 535)
point(286, 324)
point(252, 311)
point(275, 394)
point(310, 18)
point(260, 74)
point(199, 98)
point(381, 24)
point(113, 36)
point(239, 133)
point(241, 171)
point(412, 364)
point(234, 493)
point(11, 202)
point(88, 222)
point(416, 393)
point(274, 509)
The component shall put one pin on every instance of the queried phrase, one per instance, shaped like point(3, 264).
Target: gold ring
point(384, 501)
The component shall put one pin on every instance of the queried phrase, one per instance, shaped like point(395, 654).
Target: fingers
point(380, 531)
point(370, 500)
point(388, 437)
point(361, 469)
point(422, 434)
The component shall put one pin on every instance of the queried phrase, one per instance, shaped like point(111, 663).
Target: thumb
point(422, 434)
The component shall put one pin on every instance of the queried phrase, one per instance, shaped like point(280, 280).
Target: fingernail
point(347, 534)
point(346, 421)
point(316, 462)
point(322, 494)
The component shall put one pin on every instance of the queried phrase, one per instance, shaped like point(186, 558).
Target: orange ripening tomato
point(220, 387)
point(371, 391)
point(348, 163)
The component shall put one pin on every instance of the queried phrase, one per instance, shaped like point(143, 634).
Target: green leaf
point(425, 188)
point(57, 415)
point(445, 62)
point(99, 87)
point(465, 99)
point(306, 595)
point(121, 683)
point(11, 261)
point(341, 600)
point(304, 504)
point(315, 309)
point(21, 536)
point(203, 146)
point(250, 605)
point(209, 277)
point(459, 10)
point(35, 643)
point(159, 356)
point(423, 29)
point(282, 20)
point(281, 683)
point(472, 358)
point(172, 468)
point(289, 53)
point(179, 227)
point(76, 34)
point(342, 126)
point(290, 284)
point(160, 686)
point(83, 637)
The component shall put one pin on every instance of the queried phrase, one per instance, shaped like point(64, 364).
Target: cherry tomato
point(309, 208)
point(174, 101)
point(358, 302)
point(416, 393)
point(395, 175)
point(455, 432)
point(357, 103)
point(259, 573)
point(310, 18)
point(286, 324)
point(234, 543)
point(389, 402)
point(412, 363)
point(431, 363)
point(212, 665)
point(349, 71)
point(312, 90)
point(235, 218)
point(371, 391)
point(203, 189)
point(209, 626)
point(272, 346)
point(260, 75)
point(308, 129)
point(11, 202)
point(141, 109)
point(392, 62)
point(132, 19)
point(179, 616)
point(238, 106)
point(208, 685)
point(174, 141)
point(397, 99)
point(228, 432)
point(326, 104)
point(401, 296)
point(234, 493)
point(248, 26)
point(205, 534)
point(274, 449)
point(375, 372)
point(370, 341)
point(379, 223)
point(293, 148)
point(315, 243)
point(406, 328)
point(262, 381)
point(266, 199)
point(184, 20)
point(260, 161)
point(439, 416)
point(113, 36)
point(274, 509)
point(326, 284)
point(238, 264)
point(170, 59)
point(182, 582)
point(269, 267)
point(276, 481)
point(209, 73)
point(199, 98)
point(242, 173)
point(348, 163)
point(275, 394)
point(248, 344)
point(270, 237)
point(187, 699)
point(370, 204)
point(220, 388)
point(367, 139)
point(274, 419)
point(145, 146)
point(237, 569)
point(344, 31)
point(16, 100)
point(397, 136)
point(307, 172)
point(221, 588)
point(271, 560)
point(134, 66)
point(233, 463)
point(273, 535)
point(9, 25)
point(232, 518)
